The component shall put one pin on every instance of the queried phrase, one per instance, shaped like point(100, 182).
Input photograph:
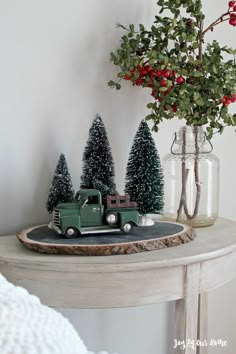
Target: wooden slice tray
point(140, 239)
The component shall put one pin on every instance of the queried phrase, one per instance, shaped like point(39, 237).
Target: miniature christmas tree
point(144, 176)
point(97, 159)
point(102, 188)
point(61, 189)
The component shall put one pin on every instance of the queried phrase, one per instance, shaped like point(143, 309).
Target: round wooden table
point(184, 273)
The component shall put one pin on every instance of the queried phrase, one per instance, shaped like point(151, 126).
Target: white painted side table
point(184, 273)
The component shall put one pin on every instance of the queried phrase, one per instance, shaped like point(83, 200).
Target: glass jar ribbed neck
point(190, 135)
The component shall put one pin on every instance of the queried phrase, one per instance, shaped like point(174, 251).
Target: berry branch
point(215, 23)
point(231, 19)
point(187, 79)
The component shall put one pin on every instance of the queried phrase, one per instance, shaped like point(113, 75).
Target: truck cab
point(92, 209)
point(89, 214)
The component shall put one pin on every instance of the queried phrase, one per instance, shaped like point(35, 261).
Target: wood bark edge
point(186, 236)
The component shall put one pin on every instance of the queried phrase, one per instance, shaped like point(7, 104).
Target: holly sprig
point(187, 78)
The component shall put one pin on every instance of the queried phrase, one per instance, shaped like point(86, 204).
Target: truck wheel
point(112, 218)
point(71, 232)
point(127, 227)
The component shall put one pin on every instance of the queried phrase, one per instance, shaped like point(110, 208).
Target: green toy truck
point(90, 214)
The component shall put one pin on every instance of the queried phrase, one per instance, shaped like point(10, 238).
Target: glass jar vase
point(191, 179)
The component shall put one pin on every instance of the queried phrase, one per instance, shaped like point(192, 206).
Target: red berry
point(158, 73)
point(174, 108)
point(149, 69)
point(163, 83)
point(231, 3)
point(143, 72)
point(159, 99)
point(224, 98)
point(226, 101)
point(234, 8)
point(232, 15)
point(166, 73)
point(233, 97)
point(139, 82)
point(173, 73)
point(150, 83)
point(232, 21)
point(180, 80)
point(127, 77)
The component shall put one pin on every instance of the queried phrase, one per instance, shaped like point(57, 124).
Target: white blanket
point(28, 327)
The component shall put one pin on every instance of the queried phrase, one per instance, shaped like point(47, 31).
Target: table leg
point(203, 322)
point(187, 313)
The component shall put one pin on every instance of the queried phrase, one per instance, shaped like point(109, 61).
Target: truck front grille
point(56, 217)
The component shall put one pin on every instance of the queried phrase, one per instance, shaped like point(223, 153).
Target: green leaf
point(154, 54)
point(150, 105)
point(111, 83)
point(196, 74)
point(120, 75)
point(209, 133)
point(162, 89)
point(229, 50)
point(141, 27)
point(195, 45)
point(200, 102)
point(155, 128)
point(152, 61)
point(196, 95)
point(150, 117)
point(131, 27)
point(214, 69)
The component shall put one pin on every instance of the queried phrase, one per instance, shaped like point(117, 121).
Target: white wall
point(54, 65)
